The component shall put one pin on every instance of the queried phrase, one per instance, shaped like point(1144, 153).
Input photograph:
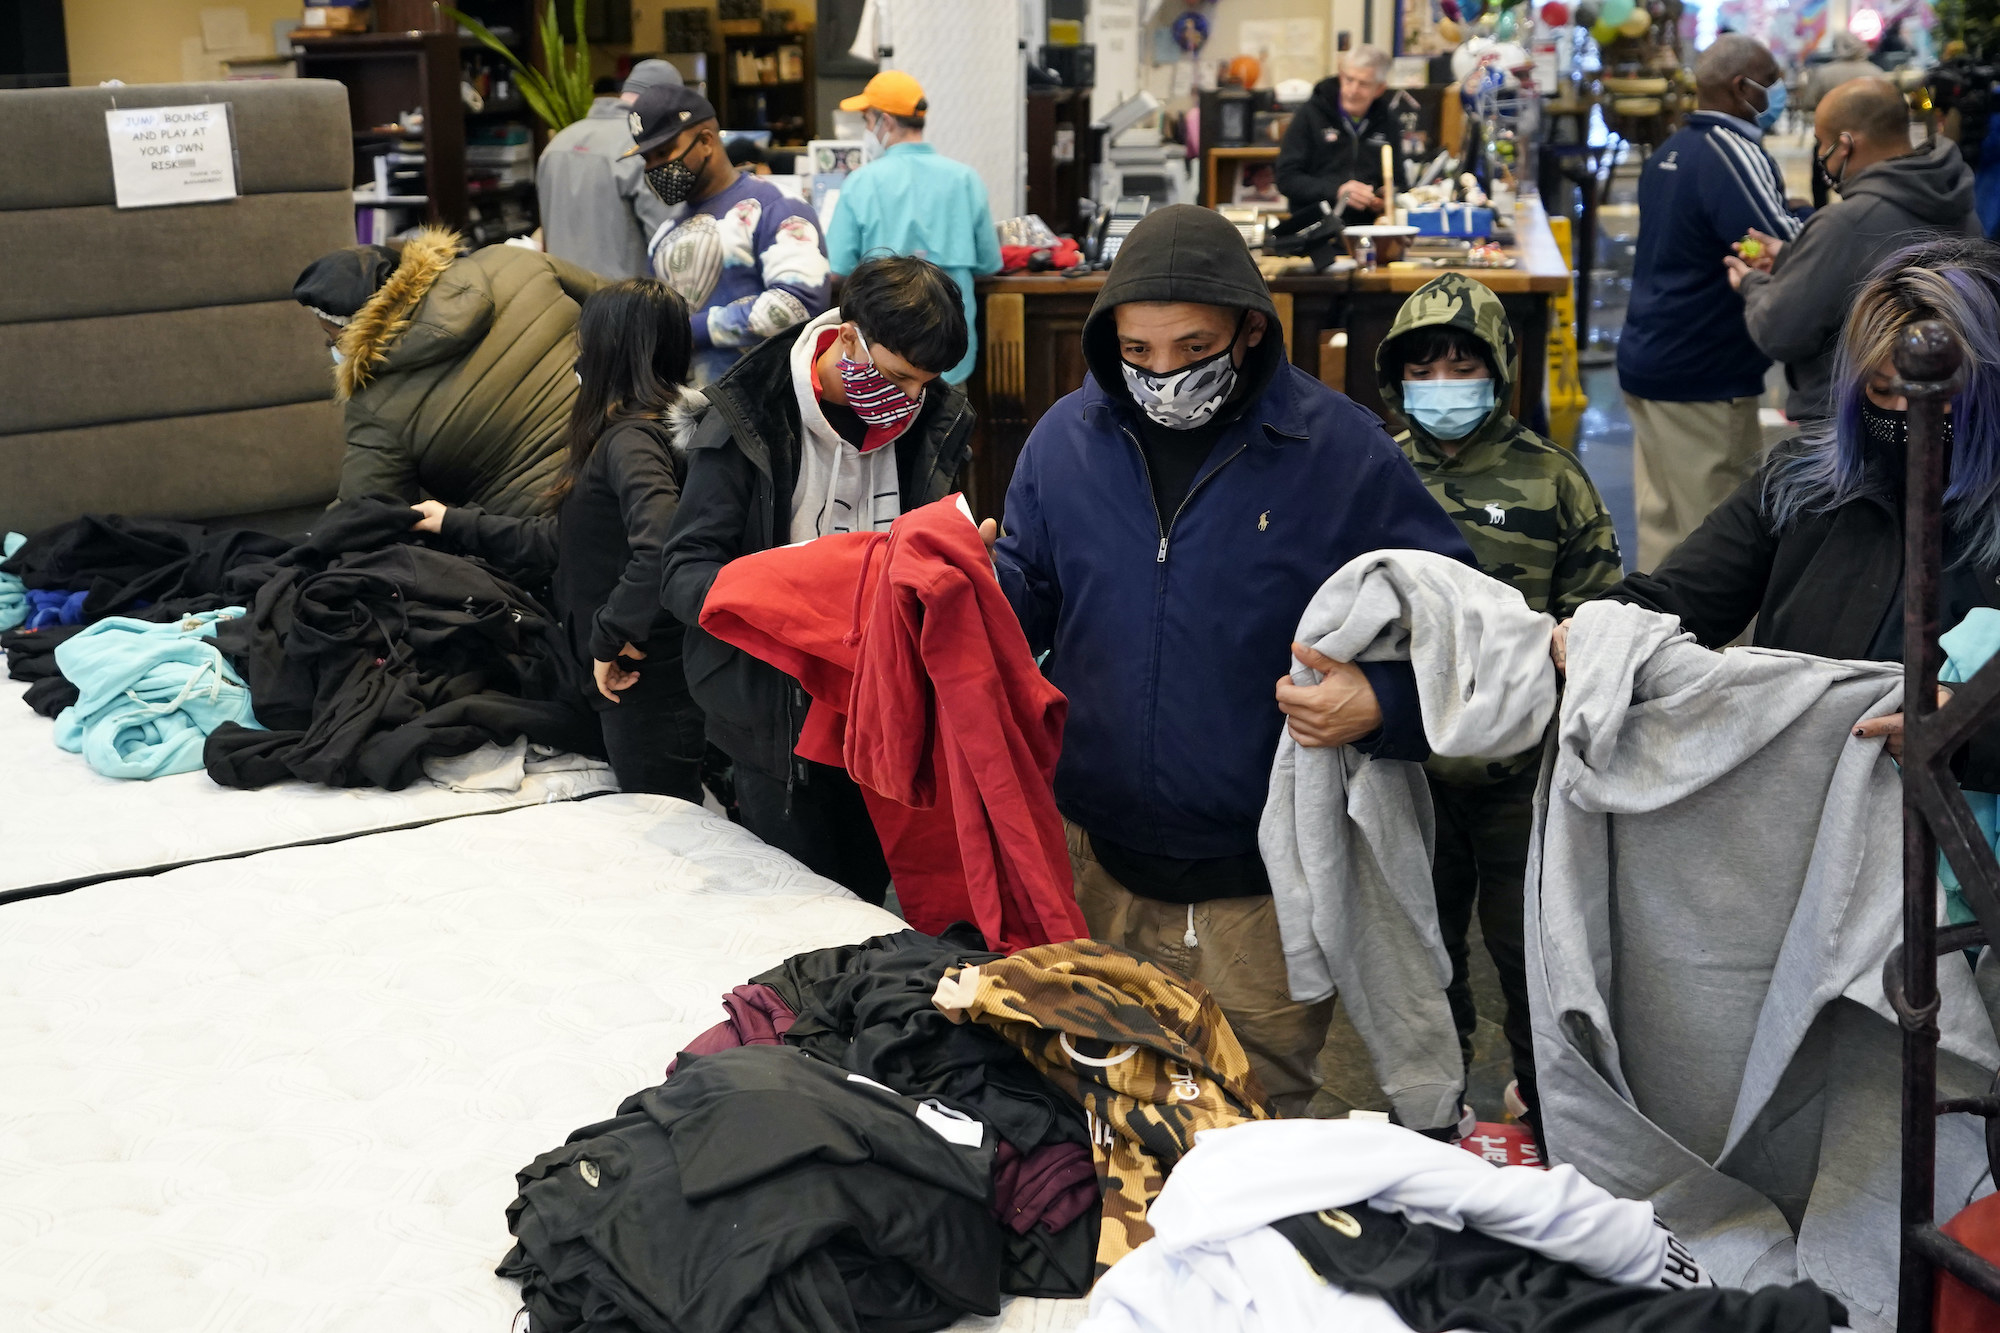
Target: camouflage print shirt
point(1525, 504)
point(1148, 1055)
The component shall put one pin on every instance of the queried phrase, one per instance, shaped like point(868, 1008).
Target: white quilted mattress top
point(66, 823)
point(289, 1092)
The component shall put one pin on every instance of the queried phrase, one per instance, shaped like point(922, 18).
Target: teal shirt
point(910, 201)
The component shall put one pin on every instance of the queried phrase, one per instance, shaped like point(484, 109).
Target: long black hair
point(632, 349)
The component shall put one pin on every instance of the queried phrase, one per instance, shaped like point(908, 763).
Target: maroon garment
point(1051, 1186)
point(758, 1016)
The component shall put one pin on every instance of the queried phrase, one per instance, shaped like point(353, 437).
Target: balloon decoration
point(1614, 12)
point(1555, 13)
point(1504, 26)
point(1450, 32)
point(1637, 24)
point(1586, 14)
point(1472, 9)
point(1605, 33)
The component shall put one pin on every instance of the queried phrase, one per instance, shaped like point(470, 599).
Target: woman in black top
point(1812, 545)
point(600, 551)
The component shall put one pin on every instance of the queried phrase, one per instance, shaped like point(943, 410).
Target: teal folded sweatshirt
point(148, 694)
point(13, 593)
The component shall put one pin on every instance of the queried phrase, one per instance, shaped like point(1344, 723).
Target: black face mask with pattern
point(674, 181)
point(1888, 435)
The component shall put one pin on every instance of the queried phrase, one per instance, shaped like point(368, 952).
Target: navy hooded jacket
point(1169, 637)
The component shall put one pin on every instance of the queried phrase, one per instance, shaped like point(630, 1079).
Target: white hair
point(1373, 59)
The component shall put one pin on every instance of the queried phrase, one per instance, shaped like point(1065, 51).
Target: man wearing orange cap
point(911, 201)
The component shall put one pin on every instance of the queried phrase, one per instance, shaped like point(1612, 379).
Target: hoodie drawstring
point(1189, 938)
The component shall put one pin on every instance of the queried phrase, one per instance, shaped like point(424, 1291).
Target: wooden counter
point(1031, 337)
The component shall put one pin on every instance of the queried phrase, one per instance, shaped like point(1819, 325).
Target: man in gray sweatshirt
point(1796, 293)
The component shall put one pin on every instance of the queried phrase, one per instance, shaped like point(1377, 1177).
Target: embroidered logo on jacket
point(1496, 516)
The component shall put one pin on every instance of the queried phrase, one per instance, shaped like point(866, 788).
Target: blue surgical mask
point(1774, 102)
point(1447, 409)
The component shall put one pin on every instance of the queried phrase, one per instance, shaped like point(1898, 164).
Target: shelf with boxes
point(441, 132)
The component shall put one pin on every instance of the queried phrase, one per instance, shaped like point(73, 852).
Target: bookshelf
point(460, 168)
point(766, 80)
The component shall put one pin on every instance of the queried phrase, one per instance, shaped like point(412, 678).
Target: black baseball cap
point(661, 113)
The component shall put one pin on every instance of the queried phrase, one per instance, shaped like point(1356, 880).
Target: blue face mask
point(1774, 102)
point(1447, 409)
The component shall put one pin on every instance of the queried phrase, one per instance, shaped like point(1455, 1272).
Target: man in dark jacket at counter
point(457, 371)
point(1796, 293)
point(1332, 151)
point(840, 424)
point(1167, 524)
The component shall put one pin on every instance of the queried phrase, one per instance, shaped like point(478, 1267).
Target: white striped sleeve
point(1758, 182)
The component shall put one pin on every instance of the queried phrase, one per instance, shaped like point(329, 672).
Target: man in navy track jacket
point(1689, 369)
point(1167, 524)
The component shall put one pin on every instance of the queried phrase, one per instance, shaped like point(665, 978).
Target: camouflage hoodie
point(1525, 505)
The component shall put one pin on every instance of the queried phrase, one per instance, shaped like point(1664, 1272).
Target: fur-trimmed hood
point(684, 416)
point(378, 328)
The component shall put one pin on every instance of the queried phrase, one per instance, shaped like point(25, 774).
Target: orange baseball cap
point(892, 91)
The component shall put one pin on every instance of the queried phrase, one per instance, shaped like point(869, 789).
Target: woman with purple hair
point(1811, 547)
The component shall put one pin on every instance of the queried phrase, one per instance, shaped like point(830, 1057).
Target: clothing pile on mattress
point(1281, 1225)
point(357, 657)
point(885, 1135)
point(899, 1133)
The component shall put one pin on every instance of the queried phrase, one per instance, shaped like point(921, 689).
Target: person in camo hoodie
point(1534, 520)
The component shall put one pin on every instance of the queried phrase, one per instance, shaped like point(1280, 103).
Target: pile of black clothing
point(366, 651)
point(879, 1167)
point(142, 568)
point(127, 566)
point(31, 656)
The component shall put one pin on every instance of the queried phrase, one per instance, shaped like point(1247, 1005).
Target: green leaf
point(560, 94)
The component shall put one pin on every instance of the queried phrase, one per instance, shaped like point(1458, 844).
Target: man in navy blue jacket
point(1689, 368)
point(1167, 524)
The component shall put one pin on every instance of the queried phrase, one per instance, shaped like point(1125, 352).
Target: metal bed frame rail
point(1930, 362)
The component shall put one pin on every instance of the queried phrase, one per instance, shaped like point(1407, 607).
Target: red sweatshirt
point(924, 689)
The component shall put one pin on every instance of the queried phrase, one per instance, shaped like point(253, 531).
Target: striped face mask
point(874, 399)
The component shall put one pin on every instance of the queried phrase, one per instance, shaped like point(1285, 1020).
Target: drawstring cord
point(211, 670)
point(1189, 938)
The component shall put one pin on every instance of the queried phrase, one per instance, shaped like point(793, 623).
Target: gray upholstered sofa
point(152, 361)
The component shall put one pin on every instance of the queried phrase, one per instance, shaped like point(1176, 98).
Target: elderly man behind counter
point(1796, 294)
point(1332, 151)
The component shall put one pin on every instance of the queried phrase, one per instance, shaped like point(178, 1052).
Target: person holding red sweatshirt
point(837, 425)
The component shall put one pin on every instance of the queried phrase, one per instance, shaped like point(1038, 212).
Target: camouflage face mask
point(1188, 397)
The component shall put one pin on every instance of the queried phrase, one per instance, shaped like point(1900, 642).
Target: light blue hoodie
point(149, 694)
point(13, 593)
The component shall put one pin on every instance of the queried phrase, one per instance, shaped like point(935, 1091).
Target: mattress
point(290, 1091)
point(69, 825)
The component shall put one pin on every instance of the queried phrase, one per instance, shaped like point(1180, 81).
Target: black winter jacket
point(743, 453)
point(1830, 584)
point(1320, 153)
point(600, 552)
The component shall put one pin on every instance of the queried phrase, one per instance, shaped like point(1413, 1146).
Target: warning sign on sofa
point(172, 155)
